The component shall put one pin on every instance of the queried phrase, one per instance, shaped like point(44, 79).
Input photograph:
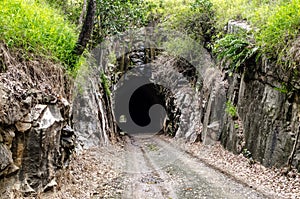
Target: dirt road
point(153, 168)
point(145, 168)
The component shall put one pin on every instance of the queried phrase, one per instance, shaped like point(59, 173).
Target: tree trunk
point(80, 21)
point(87, 29)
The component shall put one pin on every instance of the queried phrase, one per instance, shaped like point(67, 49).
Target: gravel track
point(154, 167)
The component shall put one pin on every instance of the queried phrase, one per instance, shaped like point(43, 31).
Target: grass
point(280, 31)
point(255, 11)
point(276, 24)
point(37, 29)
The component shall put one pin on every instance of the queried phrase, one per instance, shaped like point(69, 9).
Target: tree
point(115, 16)
point(87, 29)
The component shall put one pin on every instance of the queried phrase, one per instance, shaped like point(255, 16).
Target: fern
point(235, 50)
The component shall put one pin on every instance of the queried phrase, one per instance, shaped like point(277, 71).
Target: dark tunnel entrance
point(142, 100)
point(132, 103)
point(140, 109)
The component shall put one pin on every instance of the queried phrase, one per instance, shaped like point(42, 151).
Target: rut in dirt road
point(154, 168)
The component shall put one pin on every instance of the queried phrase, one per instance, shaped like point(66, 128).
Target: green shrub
point(70, 8)
point(35, 28)
point(117, 16)
point(235, 50)
point(227, 10)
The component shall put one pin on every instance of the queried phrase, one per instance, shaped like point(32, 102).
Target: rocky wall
point(36, 139)
point(267, 120)
point(93, 118)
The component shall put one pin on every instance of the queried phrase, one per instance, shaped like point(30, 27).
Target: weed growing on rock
point(231, 109)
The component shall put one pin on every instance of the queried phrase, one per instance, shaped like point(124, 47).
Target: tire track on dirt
point(157, 169)
point(142, 178)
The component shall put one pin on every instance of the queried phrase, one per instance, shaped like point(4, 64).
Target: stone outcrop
point(93, 119)
point(267, 120)
point(35, 137)
point(182, 101)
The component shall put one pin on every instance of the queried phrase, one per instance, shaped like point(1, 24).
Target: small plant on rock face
point(235, 50)
point(247, 154)
point(283, 88)
point(231, 109)
point(105, 83)
point(152, 147)
point(236, 126)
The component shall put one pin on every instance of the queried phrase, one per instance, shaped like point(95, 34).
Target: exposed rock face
point(94, 122)
point(181, 101)
point(267, 119)
point(265, 123)
point(35, 140)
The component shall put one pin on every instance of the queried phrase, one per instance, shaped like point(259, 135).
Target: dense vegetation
point(50, 28)
point(113, 17)
point(275, 26)
point(70, 9)
point(36, 28)
point(192, 17)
